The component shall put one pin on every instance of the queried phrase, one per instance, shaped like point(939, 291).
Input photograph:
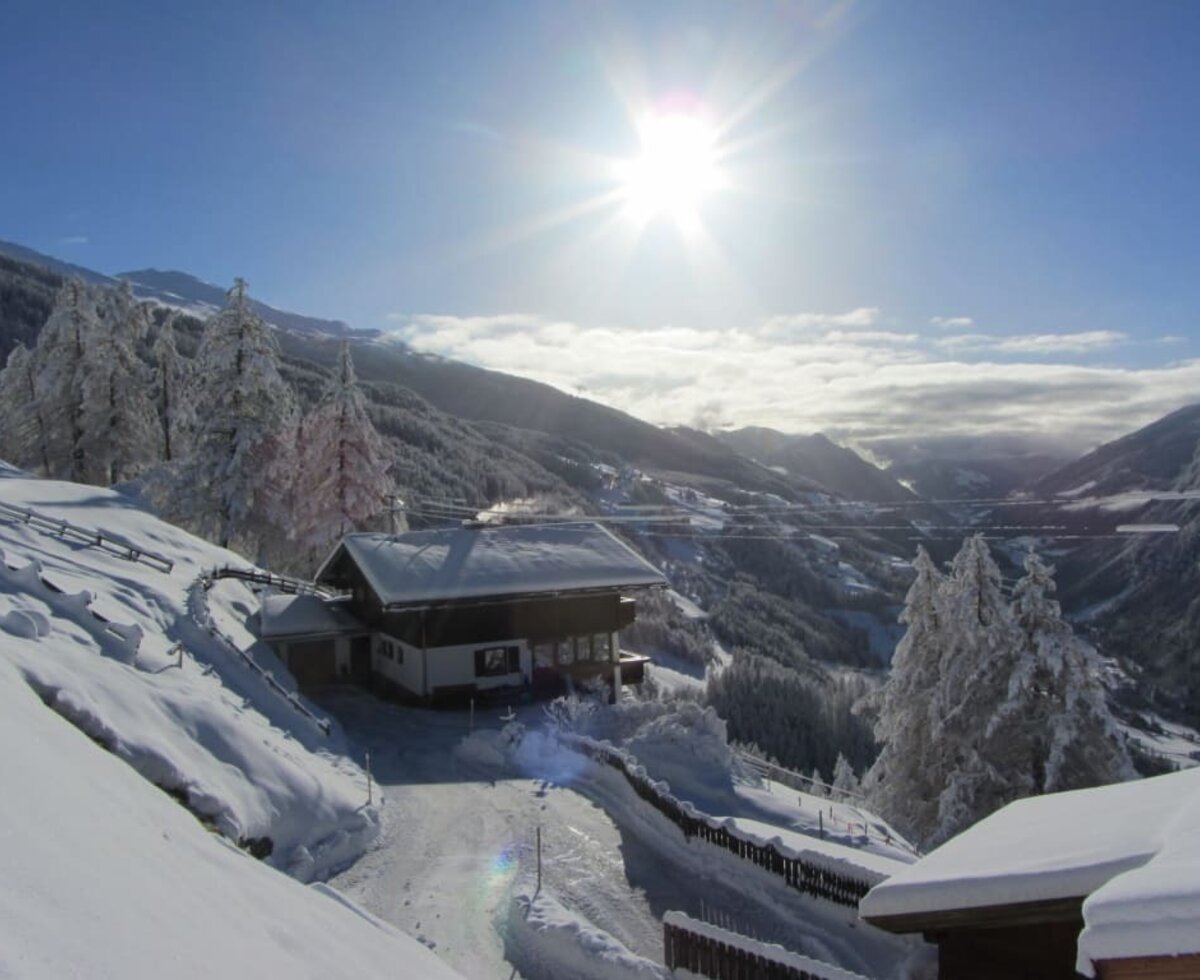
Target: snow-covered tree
point(23, 436)
point(243, 466)
point(1058, 694)
point(80, 405)
point(845, 781)
point(817, 783)
point(988, 702)
point(173, 393)
point(343, 461)
point(982, 652)
point(58, 367)
point(902, 782)
point(118, 419)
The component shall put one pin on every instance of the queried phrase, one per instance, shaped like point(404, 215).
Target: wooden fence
point(281, 583)
point(95, 539)
point(805, 876)
point(710, 951)
point(203, 616)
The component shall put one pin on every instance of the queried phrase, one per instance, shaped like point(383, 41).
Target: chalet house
point(444, 614)
point(1098, 883)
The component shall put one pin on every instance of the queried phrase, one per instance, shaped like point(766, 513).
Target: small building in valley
point(1098, 882)
point(448, 613)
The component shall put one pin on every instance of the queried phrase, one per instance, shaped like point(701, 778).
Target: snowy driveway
point(454, 841)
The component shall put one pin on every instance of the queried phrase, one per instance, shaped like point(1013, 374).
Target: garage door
point(312, 663)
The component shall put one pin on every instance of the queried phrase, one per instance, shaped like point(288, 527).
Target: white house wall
point(455, 666)
point(408, 673)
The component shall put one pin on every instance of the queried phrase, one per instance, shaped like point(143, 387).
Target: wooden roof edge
point(504, 598)
point(983, 917)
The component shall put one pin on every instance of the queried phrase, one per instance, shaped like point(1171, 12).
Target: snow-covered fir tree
point(173, 393)
point(343, 462)
point(23, 437)
point(78, 400)
point(118, 420)
point(238, 481)
point(817, 783)
point(845, 780)
point(981, 652)
point(58, 367)
point(902, 782)
point(1059, 688)
point(988, 702)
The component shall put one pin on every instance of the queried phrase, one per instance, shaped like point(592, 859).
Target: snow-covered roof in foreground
point(306, 615)
point(450, 564)
point(1133, 849)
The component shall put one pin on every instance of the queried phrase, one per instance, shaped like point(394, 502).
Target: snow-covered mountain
point(176, 289)
point(815, 458)
point(189, 293)
point(956, 468)
point(1136, 593)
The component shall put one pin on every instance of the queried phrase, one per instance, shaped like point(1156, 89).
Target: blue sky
point(990, 192)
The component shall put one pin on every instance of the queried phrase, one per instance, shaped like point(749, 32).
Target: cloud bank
point(851, 375)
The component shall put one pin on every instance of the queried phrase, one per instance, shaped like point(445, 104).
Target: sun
point(675, 170)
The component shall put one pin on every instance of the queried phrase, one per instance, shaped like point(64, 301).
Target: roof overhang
point(983, 917)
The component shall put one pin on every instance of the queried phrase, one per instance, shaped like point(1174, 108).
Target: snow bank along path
point(458, 848)
point(105, 876)
point(100, 637)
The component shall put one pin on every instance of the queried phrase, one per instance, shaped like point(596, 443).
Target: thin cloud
point(799, 323)
point(952, 322)
point(1047, 343)
point(73, 240)
point(852, 382)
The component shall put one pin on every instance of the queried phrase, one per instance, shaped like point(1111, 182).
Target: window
point(391, 651)
point(566, 651)
point(497, 661)
point(543, 655)
point(601, 650)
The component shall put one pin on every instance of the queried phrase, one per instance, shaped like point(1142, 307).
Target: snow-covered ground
point(211, 731)
point(102, 874)
point(126, 655)
point(1172, 741)
point(461, 815)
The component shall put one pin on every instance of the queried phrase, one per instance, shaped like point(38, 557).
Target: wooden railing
point(203, 616)
point(281, 583)
point(709, 951)
point(96, 539)
point(806, 874)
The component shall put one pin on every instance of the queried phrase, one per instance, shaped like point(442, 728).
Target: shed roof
point(306, 615)
point(1131, 851)
point(465, 563)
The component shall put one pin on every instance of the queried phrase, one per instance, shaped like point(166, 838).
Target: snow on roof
point(306, 615)
point(1134, 848)
point(486, 562)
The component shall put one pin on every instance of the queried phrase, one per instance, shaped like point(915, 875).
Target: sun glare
point(676, 169)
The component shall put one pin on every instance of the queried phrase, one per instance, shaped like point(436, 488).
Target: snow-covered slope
point(105, 876)
point(123, 650)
